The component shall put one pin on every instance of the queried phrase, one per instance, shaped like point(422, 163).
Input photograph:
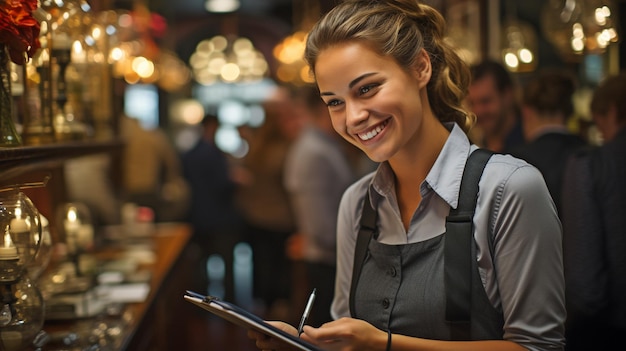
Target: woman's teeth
point(372, 133)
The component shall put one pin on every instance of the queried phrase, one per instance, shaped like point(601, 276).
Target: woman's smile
point(373, 132)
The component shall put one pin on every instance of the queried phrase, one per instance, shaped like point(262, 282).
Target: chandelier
point(134, 53)
point(578, 27)
point(292, 68)
point(289, 53)
point(227, 59)
point(519, 46)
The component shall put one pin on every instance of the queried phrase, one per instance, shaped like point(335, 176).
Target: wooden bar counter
point(157, 323)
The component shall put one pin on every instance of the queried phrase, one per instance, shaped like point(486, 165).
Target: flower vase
point(9, 136)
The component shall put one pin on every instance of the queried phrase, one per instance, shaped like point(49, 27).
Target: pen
point(307, 311)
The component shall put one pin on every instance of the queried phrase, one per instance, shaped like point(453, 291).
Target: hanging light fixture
point(598, 25)
point(228, 60)
point(221, 6)
point(135, 55)
point(519, 46)
point(463, 23)
point(519, 42)
point(578, 27)
point(290, 51)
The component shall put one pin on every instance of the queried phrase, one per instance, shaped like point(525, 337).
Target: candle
point(18, 225)
point(84, 237)
point(21, 234)
point(72, 225)
point(8, 251)
point(72, 222)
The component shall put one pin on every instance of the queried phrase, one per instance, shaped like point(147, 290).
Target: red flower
point(19, 30)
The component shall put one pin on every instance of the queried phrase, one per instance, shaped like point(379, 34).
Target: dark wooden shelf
point(15, 161)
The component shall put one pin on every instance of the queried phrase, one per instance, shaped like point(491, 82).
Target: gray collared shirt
point(523, 275)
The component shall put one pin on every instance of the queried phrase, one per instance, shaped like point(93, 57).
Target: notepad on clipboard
point(245, 319)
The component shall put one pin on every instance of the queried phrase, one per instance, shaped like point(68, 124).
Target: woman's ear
point(422, 68)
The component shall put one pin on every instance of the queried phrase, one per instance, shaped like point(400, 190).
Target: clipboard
point(245, 319)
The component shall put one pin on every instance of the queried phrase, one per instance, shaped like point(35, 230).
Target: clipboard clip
point(211, 298)
point(204, 298)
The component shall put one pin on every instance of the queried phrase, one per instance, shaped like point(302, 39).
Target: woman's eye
point(333, 103)
point(366, 89)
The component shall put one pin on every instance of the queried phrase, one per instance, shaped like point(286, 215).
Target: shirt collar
point(444, 177)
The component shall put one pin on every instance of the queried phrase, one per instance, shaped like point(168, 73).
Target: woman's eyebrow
point(352, 83)
point(359, 78)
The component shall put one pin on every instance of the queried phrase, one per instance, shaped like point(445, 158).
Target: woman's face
point(373, 103)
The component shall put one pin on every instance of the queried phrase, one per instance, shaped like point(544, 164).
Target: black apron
point(402, 288)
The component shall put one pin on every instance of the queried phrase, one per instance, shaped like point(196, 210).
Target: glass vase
point(9, 136)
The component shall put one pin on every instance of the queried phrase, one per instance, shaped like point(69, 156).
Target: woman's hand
point(265, 342)
point(346, 334)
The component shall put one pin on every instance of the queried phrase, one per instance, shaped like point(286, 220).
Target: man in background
point(546, 108)
point(492, 98)
point(151, 171)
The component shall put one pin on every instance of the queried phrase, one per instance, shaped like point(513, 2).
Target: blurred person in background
point(212, 212)
point(492, 98)
point(89, 181)
point(546, 108)
point(594, 234)
point(265, 206)
point(317, 172)
point(151, 171)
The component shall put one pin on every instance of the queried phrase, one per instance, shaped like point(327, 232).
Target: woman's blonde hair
point(400, 29)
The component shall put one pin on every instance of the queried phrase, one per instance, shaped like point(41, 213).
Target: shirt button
point(392, 271)
point(385, 303)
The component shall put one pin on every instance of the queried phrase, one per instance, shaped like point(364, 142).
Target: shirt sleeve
point(528, 261)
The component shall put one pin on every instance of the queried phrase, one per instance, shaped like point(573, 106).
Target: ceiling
point(267, 22)
point(182, 8)
point(264, 22)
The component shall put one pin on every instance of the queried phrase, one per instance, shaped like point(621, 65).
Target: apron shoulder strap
point(366, 231)
point(457, 249)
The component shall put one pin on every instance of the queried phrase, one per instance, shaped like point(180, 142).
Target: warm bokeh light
point(519, 46)
point(187, 111)
point(221, 6)
point(136, 58)
point(578, 27)
point(230, 61)
point(292, 67)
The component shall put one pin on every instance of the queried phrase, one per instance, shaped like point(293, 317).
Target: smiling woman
point(396, 92)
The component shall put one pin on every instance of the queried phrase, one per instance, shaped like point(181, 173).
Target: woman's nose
point(355, 114)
